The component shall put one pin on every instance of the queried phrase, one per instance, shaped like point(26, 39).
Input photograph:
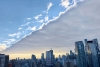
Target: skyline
point(86, 54)
point(28, 56)
point(78, 23)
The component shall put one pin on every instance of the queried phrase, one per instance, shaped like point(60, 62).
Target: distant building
point(42, 57)
point(63, 59)
point(80, 54)
point(49, 58)
point(92, 49)
point(4, 60)
point(33, 61)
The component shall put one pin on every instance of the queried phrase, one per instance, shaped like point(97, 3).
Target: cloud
point(25, 24)
point(19, 28)
point(9, 41)
point(2, 47)
point(49, 6)
point(41, 26)
point(17, 35)
point(65, 3)
point(41, 21)
point(37, 17)
point(28, 18)
point(46, 18)
point(77, 24)
point(31, 28)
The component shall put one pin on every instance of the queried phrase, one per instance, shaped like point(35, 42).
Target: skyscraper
point(49, 58)
point(92, 50)
point(42, 59)
point(4, 60)
point(42, 56)
point(80, 54)
point(33, 61)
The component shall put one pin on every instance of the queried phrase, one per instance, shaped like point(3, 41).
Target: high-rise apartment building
point(42, 56)
point(92, 50)
point(4, 60)
point(49, 58)
point(33, 61)
point(80, 54)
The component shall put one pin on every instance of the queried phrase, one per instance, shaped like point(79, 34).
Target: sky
point(34, 27)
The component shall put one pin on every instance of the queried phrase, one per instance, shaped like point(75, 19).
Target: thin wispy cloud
point(49, 6)
point(28, 18)
point(9, 41)
point(19, 28)
point(25, 24)
point(38, 16)
point(41, 21)
point(31, 28)
point(17, 35)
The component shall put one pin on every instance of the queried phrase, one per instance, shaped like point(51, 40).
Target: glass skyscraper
point(33, 61)
point(49, 58)
point(80, 54)
point(92, 50)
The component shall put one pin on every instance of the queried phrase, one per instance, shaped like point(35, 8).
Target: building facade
point(49, 58)
point(92, 49)
point(4, 60)
point(80, 54)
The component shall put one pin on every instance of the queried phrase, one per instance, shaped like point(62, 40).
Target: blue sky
point(19, 18)
point(55, 24)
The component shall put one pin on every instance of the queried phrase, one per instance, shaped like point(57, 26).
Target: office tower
point(63, 59)
point(71, 53)
point(99, 57)
point(92, 50)
point(71, 56)
point(33, 61)
point(80, 54)
point(49, 58)
point(59, 58)
point(42, 56)
point(4, 60)
point(42, 59)
point(67, 56)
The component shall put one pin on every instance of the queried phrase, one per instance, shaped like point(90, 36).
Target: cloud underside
point(77, 24)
